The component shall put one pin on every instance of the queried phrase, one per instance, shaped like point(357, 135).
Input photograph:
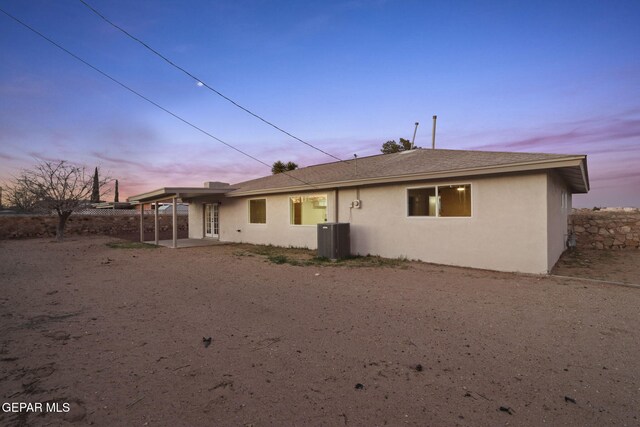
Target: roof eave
point(179, 192)
point(574, 161)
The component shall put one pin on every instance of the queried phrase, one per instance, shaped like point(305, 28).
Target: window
point(258, 211)
point(455, 200)
point(440, 201)
point(308, 210)
point(422, 202)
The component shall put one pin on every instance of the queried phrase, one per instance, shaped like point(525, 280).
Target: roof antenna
point(414, 135)
point(355, 156)
point(433, 134)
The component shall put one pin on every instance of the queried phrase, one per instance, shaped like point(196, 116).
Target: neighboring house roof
point(168, 207)
point(418, 164)
point(110, 205)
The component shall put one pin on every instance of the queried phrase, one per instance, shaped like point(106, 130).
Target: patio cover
point(174, 194)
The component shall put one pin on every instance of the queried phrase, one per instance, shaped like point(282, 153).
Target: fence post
point(175, 222)
point(157, 228)
point(142, 222)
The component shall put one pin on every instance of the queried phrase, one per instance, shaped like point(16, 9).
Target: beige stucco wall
point(196, 220)
point(234, 216)
point(557, 218)
point(507, 230)
point(196, 214)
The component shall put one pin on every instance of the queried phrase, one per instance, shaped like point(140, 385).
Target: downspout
point(337, 210)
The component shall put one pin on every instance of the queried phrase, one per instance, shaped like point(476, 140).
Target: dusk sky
point(345, 76)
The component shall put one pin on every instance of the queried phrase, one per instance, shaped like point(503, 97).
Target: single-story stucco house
point(492, 210)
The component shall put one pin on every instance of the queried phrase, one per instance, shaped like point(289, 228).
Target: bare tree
point(57, 186)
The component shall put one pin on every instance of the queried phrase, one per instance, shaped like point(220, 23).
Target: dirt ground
point(118, 335)
point(610, 265)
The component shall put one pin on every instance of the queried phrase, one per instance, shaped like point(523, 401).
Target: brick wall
point(606, 229)
point(26, 226)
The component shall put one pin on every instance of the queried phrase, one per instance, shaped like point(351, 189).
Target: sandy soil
point(117, 334)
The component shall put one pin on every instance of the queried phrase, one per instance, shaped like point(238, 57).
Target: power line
point(204, 84)
point(113, 79)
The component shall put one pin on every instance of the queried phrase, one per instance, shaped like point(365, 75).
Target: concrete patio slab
point(187, 243)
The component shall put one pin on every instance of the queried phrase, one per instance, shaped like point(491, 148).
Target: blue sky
point(346, 76)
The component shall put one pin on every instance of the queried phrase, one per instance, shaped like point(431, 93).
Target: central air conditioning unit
point(334, 240)
point(356, 204)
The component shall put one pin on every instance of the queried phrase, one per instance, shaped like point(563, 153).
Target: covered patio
point(212, 191)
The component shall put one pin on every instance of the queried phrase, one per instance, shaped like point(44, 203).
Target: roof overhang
point(167, 193)
point(573, 169)
point(577, 176)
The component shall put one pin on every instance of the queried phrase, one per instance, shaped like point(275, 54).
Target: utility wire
point(204, 84)
point(113, 79)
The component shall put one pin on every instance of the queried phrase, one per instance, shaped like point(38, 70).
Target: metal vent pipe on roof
point(433, 134)
point(414, 135)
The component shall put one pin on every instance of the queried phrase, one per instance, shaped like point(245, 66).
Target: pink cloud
point(7, 157)
point(574, 139)
point(615, 125)
point(138, 176)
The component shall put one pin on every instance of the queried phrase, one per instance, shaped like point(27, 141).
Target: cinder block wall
point(29, 226)
point(606, 229)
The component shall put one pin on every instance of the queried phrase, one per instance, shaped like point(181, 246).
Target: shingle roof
point(407, 163)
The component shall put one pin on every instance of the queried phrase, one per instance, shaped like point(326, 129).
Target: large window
point(258, 211)
point(308, 210)
point(440, 201)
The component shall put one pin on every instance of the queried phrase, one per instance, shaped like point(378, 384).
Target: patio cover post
point(141, 222)
point(175, 223)
point(156, 228)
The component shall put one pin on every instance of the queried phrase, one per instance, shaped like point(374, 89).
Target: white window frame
point(326, 196)
point(266, 213)
point(437, 215)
